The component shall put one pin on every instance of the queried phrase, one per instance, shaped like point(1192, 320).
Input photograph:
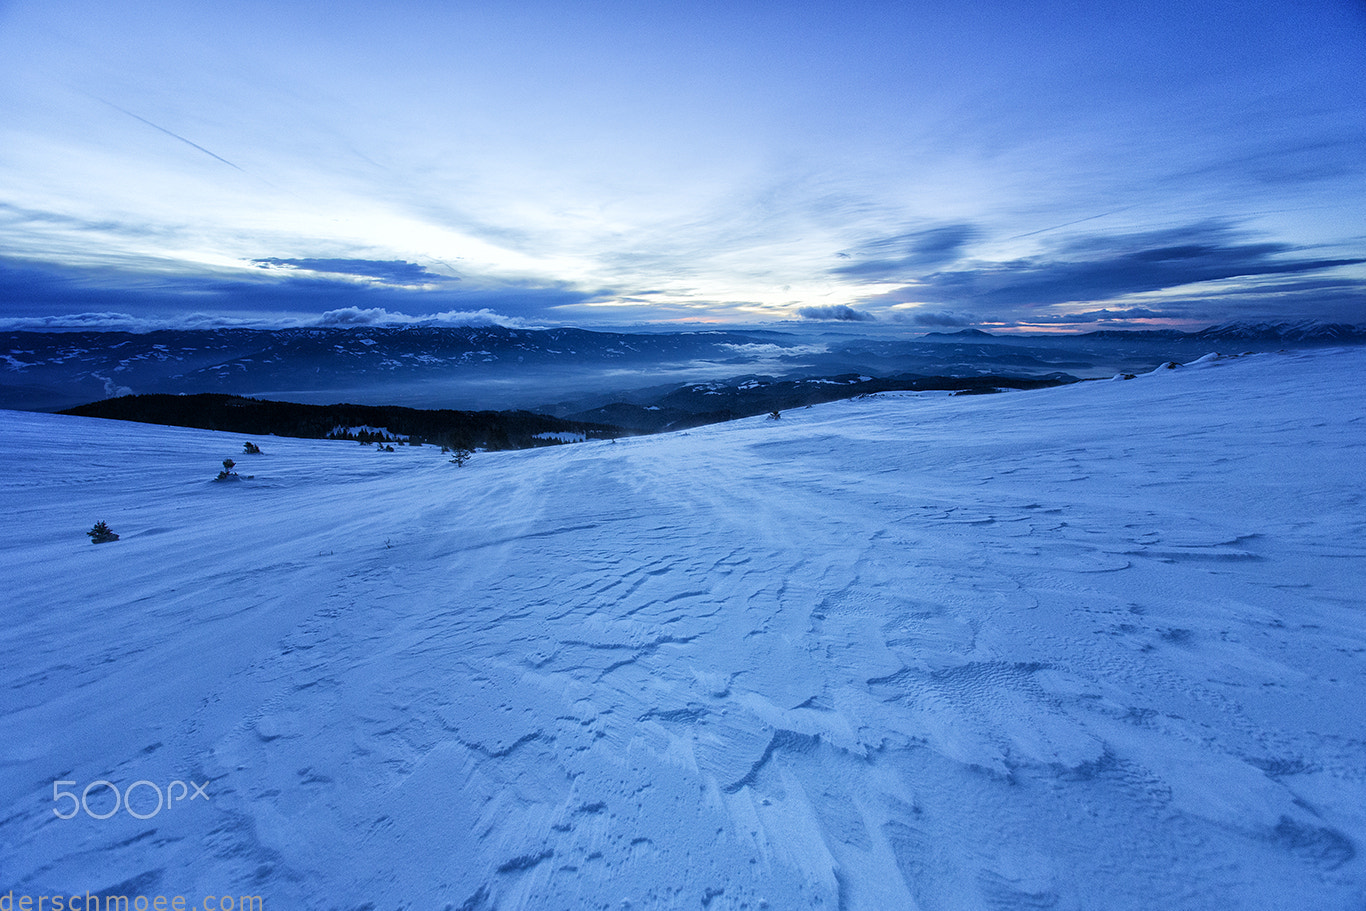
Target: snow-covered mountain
point(1094, 646)
point(1298, 332)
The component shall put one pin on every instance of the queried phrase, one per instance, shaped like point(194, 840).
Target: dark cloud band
point(396, 271)
point(1101, 268)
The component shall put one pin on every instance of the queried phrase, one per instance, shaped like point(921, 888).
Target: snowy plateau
point(1100, 646)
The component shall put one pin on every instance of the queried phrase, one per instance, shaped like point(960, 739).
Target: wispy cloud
point(377, 316)
point(1105, 315)
point(395, 272)
point(934, 319)
point(907, 256)
point(1101, 268)
point(28, 288)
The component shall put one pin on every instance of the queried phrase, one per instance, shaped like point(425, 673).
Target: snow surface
point(1097, 646)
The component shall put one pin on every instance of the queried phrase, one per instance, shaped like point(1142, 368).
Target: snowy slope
point(1098, 646)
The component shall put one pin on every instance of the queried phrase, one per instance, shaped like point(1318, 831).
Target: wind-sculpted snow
point(1097, 646)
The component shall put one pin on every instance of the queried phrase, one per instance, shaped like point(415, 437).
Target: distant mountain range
point(570, 372)
point(1298, 332)
point(50, 370)
point(1306, 331)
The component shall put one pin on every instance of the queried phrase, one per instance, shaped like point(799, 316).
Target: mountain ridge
point(499, 368)
point(1237, 330)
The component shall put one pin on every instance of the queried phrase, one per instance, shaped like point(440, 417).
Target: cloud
point(395, 272)
point(1109, 316)
point(907, 256)
point(934, 319)
point(834, 312)
point(28, 288)
point(116, 322)
point(1107, 267)
point(768, 350)
point(355, 316)
point(26, 222)
point(1130, 313)
point(1204, 272)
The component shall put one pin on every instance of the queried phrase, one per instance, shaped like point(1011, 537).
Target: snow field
point(1098, 646)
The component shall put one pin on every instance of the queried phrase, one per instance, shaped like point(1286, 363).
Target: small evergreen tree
point(460, 456)
point(251, 449)
point(101, 534)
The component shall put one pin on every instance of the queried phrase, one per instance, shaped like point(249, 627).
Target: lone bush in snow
point(775, 415)
point(101, 534)
point(227, 474)
point(251, 449)
point(460, 456)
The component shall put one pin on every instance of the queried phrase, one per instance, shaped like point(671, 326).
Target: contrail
point(168, 133)
point(1045, 230)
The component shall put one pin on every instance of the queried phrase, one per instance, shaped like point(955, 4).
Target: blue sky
point(1056, 165)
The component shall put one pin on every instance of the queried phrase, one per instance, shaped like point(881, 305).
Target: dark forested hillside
point(470, 429)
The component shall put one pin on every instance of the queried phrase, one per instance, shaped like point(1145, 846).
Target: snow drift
point(1099, 646)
